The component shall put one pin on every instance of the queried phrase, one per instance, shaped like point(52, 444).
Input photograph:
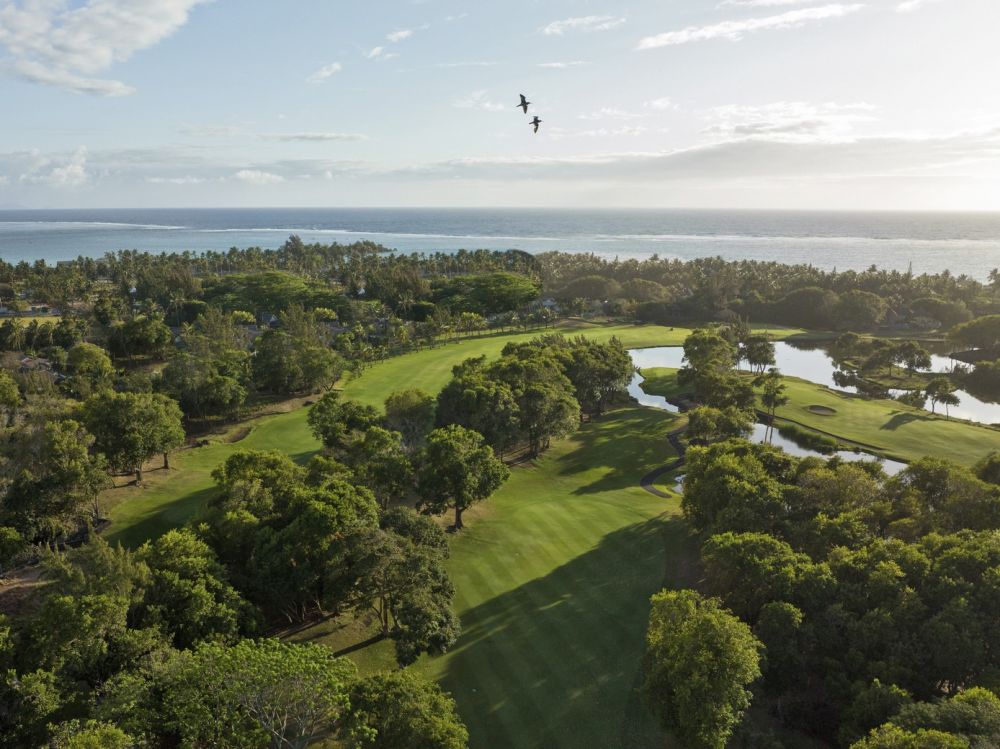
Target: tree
point(285, 364)
point(201, 388)
point(188, 595)
point(772, 396)
point(941, 390)
point(894, 737)
point(90, 370)
point(143, 335)
point(699, 661)
point(598, 371)
point(256, 693)
point(757, 351)
point(10, 396)
point(56, 480)
point(475, 400)
point(707, 424)
point(860, 310)
point(335, 422)
point(379, 462)
point(130, 428)
point(402, 582)
point(912, 356)
point(457, 469)
point(399, 710)
point(411, 413)
point(89, 735)
point(982, 333)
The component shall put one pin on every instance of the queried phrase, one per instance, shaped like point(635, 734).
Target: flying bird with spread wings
point(524, 103)
point(536, 122)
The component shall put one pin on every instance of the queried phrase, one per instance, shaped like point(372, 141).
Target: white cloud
point(764, 3)
point(258, 177)
point(379, 53)
point(582, 23)
point(736, 30)
point(789, 120)
point(212, 131)
point(662, 104)
point(187, 180)
point(468, 64)
point(910, 5)
point(610, 113)
point(56, 44)
point(313, 137)
point(325, 72)
point(562, 65)
point(71, 172)
point(478, 100)
point(398, 36)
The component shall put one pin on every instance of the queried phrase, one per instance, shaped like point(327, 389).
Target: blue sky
point(736, 103)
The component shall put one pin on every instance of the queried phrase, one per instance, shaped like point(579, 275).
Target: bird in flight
point(524, 104)
point(536, 122)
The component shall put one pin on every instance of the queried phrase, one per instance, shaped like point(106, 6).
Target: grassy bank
point(885, 426)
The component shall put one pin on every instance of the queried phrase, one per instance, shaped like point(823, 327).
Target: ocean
point(962, 243)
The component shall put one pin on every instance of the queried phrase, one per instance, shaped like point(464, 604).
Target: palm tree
point(772, 396)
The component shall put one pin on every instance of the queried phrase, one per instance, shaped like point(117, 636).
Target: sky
point(772, 104)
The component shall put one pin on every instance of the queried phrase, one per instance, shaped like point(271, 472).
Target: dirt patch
point(239, 434)
point(822, 410)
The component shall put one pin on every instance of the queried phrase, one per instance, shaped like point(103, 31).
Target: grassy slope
point(170, 498)
point(891, 428)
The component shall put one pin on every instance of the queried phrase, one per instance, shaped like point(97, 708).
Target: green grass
point(885, 426)
point(430, 369)
point(553, 577)
point(171, 498)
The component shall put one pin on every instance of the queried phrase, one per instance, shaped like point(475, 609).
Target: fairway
point(171, 498)
point(553, 577)
point(887, 427)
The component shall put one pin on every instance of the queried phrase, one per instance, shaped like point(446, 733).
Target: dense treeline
point(667, 291)
point(856, 607)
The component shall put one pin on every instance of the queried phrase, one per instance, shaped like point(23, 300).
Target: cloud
point(54, 171)
point(736, 30)
point(379, 53)
point(789, 120)
point(468, 64)
point(662, 104)
point(53, 43)
point(610, 113)
point(764, 3)
point(312, 137)
point(908, 6)
point(212, 131)
point(187, 180)
point(478, 100)
point(325, 72)
point(258, 177)
point(582, 23)
point(562, 65)
point(398, 36)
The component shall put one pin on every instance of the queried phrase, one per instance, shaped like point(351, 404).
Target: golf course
point(553, 574)
point(885, 427)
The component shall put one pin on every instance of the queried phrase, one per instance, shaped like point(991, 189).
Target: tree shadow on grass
point(159, 517)
point(626, 444)
point(556, 661)
point(902, 418)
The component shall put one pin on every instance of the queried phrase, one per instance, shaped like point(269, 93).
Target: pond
point(671, 356)
point(816, 365)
